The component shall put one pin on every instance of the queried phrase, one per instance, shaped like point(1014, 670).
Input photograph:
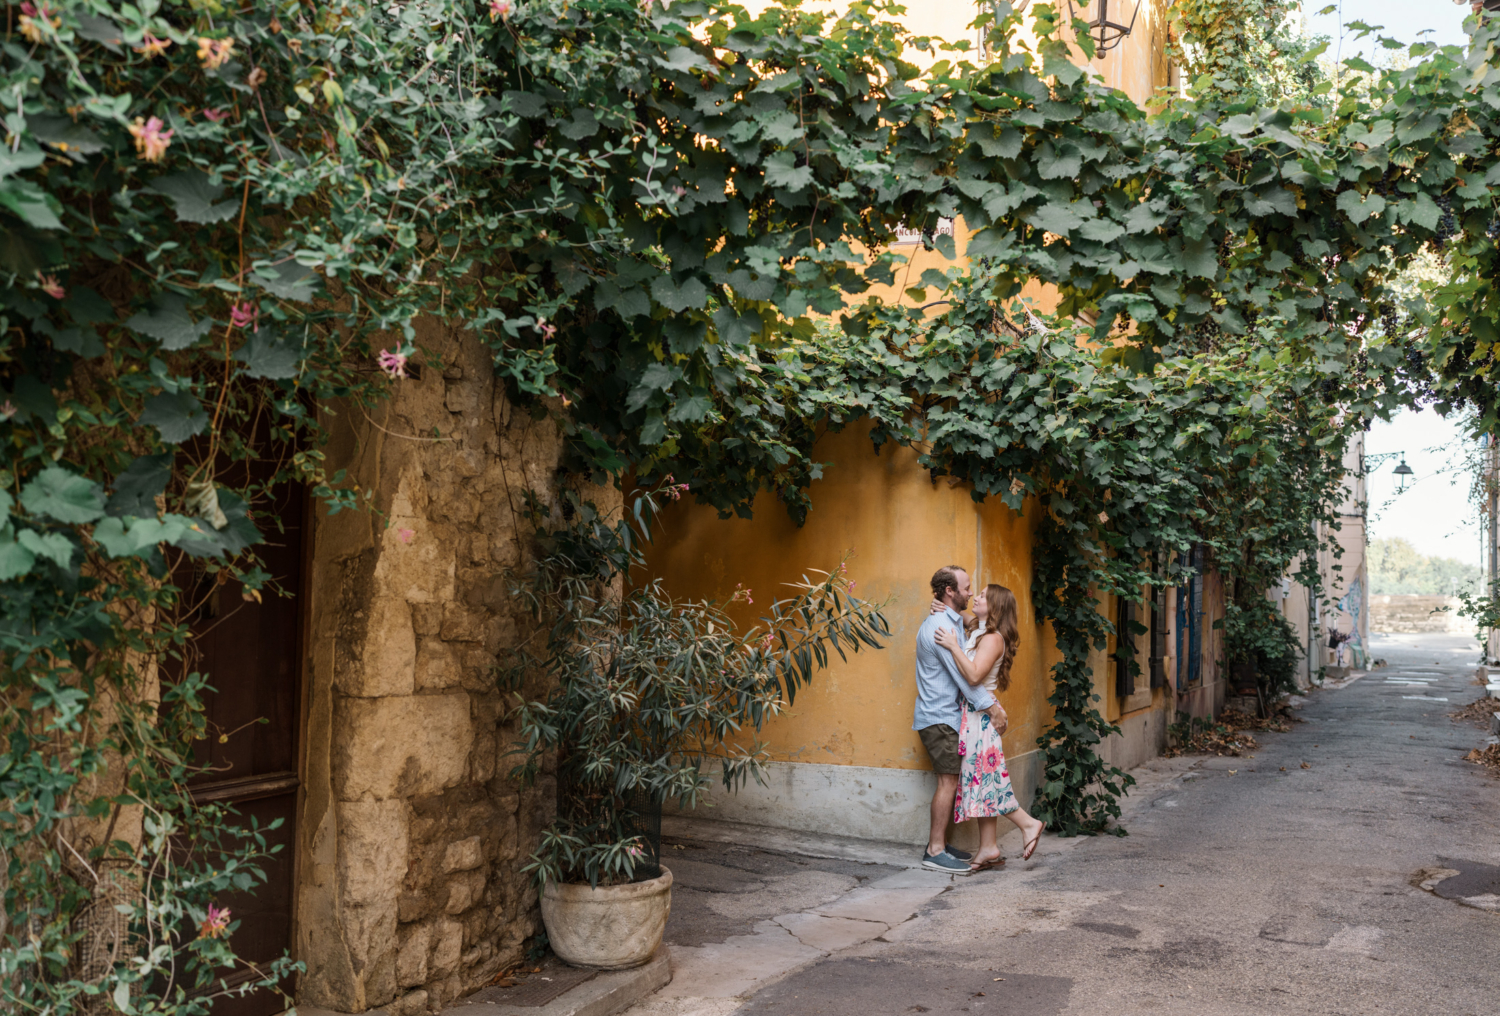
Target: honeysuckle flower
point(31, 21)
point(152, 47)
point(50, 286)
point(150, 140)
point(547, 330)
point(405, 535)
point(1104, 516)
point(7, 409)
point(243, 315)
point(215, 115)
point(256, 77)
point(215, 924)
point(500, 9)
point(215, 53)
point(1017, 485)
point(392, 362)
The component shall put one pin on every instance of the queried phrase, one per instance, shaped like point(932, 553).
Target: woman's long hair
point(1002, 620)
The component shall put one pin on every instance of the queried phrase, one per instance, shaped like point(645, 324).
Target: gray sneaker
point(962, 855)
point(945, 862)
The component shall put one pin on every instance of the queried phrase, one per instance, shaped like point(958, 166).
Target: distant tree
point(1396, 568)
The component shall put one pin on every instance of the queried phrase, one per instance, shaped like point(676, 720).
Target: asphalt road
point(1287, 882)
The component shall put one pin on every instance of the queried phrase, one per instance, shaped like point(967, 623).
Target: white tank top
point(971, 647)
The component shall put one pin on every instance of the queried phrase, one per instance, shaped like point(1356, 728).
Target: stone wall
point(1411, 613)
point(412, 833)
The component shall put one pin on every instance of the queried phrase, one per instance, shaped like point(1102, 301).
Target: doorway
point(251, 651)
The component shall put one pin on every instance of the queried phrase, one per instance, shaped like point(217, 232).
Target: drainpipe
point(1494, 498)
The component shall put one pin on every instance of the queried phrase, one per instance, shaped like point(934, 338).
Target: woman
point(984, 790)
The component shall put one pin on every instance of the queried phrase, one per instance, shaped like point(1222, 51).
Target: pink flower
point(152, 47)
point(405, 535)
point(1104, 516)
point(243, 315)
point(500, 9)
point(989, 761)
point(547, 330)
point(215, 924)
point(851, 586)
point(150, 140)
point(7, 409)
point(215, 115)
point(215, 53)
point(767, 642)
point(392, 362)
point(50, 286)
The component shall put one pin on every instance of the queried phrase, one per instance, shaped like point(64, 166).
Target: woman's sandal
point(1029, 847)
point(990, 865)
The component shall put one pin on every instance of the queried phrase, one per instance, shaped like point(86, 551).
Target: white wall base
point(858, 801)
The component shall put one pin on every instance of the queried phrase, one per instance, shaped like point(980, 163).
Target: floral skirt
point(983, 782)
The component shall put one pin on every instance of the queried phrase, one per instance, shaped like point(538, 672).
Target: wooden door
point(251, 652)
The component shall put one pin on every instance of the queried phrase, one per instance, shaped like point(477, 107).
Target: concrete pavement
point(1291, 881)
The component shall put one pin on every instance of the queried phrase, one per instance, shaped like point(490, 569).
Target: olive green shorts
point(941, 742)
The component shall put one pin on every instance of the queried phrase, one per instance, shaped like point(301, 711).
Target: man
point(939, 711)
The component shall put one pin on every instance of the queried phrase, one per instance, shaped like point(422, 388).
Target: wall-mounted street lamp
point(1403, 471)
point(1374, 460)
point(1107, 34)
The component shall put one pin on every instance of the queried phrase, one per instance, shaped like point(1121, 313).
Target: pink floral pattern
point(984, 782)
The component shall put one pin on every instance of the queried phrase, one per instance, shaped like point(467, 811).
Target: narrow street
point(1285, 882)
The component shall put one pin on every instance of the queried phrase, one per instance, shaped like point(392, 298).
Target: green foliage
point(1485, 611)
point(642, 696)
point(212, 221)
point(1396, 568)
point(1255, 632)
point(1247, 51)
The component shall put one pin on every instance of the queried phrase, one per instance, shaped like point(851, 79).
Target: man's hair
point(944, 579)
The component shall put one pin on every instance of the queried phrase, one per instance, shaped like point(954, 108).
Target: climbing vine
point(224, 225)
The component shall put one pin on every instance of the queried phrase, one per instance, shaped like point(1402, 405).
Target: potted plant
point(641, 698)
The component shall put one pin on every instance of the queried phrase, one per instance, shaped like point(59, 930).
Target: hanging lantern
point(1107, 34)
point(1403, 471)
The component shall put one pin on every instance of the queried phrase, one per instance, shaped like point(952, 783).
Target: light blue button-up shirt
point(939, 681)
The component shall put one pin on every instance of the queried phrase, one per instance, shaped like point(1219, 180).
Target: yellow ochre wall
point(900, 527)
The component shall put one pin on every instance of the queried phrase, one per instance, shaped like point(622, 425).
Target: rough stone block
point(411, 959)
point(464, 855)
point(437, 665)
point(387, 655)
point(464, 890)
point(427, 618)
point(370, 935)
point(480, 670)
point(411, 1004)
point(448, 946)
point(372, 850)
point(460, 624)
point(400, 746)
point(413, 906)
point(482, 761)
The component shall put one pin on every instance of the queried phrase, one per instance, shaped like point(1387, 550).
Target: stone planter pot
point(611, 927)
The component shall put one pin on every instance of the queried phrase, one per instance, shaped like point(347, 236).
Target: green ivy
point(221, 225)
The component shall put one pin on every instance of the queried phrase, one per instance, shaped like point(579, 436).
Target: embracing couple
point(960, 665)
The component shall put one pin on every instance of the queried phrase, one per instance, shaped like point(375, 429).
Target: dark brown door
point(251, 652)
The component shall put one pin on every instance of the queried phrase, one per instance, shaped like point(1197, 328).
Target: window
point(1125, 665)
point(1190, 622)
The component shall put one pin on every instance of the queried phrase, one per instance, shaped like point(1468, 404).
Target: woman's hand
point(937, 607)
point(946, 638)
point(998, 719)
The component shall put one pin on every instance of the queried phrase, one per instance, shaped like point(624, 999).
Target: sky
point(1403, 19)
point(1433, 513)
